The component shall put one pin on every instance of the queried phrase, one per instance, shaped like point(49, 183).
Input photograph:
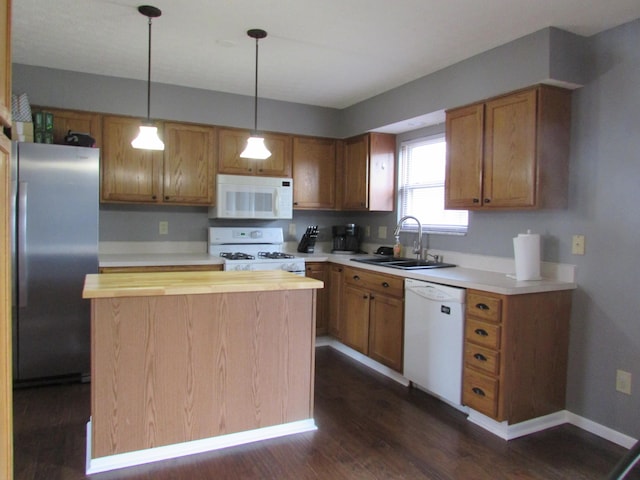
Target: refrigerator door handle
point(22, 245)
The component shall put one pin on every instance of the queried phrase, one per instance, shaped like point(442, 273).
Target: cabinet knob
point(295, 203)
point(487, 200)
point(478, 391)
point(365, 297)
point(250, 169)
point(480, 357)
point(385, 284)
point(167, 197)
point(482, 306)
point(356, 277)
point(476, 200)
point(153, 197)
point(481, 332)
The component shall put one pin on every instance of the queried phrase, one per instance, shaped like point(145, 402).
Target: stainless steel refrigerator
point(55, 195)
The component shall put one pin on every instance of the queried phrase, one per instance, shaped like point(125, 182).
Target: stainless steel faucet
point(417, 246)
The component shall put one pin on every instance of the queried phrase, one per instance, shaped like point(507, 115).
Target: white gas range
point(253, 248)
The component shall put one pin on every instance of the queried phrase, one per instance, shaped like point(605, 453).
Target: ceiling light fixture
point(256, 148)
point(147, 138)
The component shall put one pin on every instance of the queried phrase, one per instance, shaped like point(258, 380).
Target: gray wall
point(605, 173)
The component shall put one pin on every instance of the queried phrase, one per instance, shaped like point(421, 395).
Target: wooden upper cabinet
point(511, 152)
point(128, 174)
point(76, 121)
point(314, 173)
point(231, 143)
point(465, 141)
point(5, 62)
point(182, 174)
point(369, 172)
point(189, 163)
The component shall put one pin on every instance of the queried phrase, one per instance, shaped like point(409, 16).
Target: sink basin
point(402, 263)
point(416, 264)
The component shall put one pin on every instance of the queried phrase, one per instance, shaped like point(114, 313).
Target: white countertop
point(463, 277)
point(156, 259)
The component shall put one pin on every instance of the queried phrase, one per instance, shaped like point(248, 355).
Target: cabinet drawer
point(484, 306)
point(482, 359)
point(377, 282)
point(482, 333)
point(480, 393)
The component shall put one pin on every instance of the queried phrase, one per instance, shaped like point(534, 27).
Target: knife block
point(308, 240)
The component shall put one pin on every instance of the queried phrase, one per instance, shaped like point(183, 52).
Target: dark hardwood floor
point(369, 427)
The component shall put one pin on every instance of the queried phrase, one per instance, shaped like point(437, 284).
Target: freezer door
point(57, 245)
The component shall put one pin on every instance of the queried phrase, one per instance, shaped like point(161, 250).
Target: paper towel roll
point(526, 248)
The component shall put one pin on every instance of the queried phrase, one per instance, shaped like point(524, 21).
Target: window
point(421, 189)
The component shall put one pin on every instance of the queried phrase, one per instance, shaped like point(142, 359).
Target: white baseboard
point(140, 457)
point(500, 429)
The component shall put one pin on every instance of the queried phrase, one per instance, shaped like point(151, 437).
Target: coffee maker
point(346, 238)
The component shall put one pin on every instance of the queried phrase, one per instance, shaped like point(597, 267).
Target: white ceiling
point(331, 53)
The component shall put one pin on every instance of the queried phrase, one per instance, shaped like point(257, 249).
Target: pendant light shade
point(256, 148)
point(147, 138)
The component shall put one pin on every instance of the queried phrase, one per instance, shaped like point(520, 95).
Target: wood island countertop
point(192, 283)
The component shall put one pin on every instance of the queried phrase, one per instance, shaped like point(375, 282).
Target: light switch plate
point(163, 228)
point(623, 381)
point(577, 245)
point(382, 232)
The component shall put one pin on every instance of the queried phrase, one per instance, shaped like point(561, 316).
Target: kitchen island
point(189, 362)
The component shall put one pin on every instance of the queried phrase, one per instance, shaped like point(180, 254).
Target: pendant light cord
point(255, 102)
point(149, 77)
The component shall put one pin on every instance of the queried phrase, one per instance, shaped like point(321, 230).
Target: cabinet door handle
point(487, 200)
point(481, 332)
point(476, 200)
point(167, 197)
point(356, 277)
point(480, 357)
point(153, 197)
point(365, 297)
point(295, 203)
point(482, 306)
point(478, 391)
point(385, 284)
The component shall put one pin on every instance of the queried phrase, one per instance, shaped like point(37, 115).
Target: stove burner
point(236, 256)
point(274, 255)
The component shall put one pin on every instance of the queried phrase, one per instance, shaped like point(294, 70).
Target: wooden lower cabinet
point(372, 315)
point(320, 271)
point(516, 354)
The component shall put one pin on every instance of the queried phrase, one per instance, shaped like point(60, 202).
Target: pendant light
point(147, 138)
point(256, 148)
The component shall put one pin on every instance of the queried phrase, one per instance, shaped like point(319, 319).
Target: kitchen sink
point(402, 263)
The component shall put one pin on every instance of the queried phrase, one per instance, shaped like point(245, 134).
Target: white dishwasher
point(434, 337)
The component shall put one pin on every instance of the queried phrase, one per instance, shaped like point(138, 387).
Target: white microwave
point(240, 196)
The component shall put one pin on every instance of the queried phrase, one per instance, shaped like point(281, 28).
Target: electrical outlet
point(577, 245)
point(367, 231)
point(623, 381)
point(163, 228)
point(292, 229)
point(382, 232)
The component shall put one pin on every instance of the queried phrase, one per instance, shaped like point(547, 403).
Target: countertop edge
point(118, 285)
